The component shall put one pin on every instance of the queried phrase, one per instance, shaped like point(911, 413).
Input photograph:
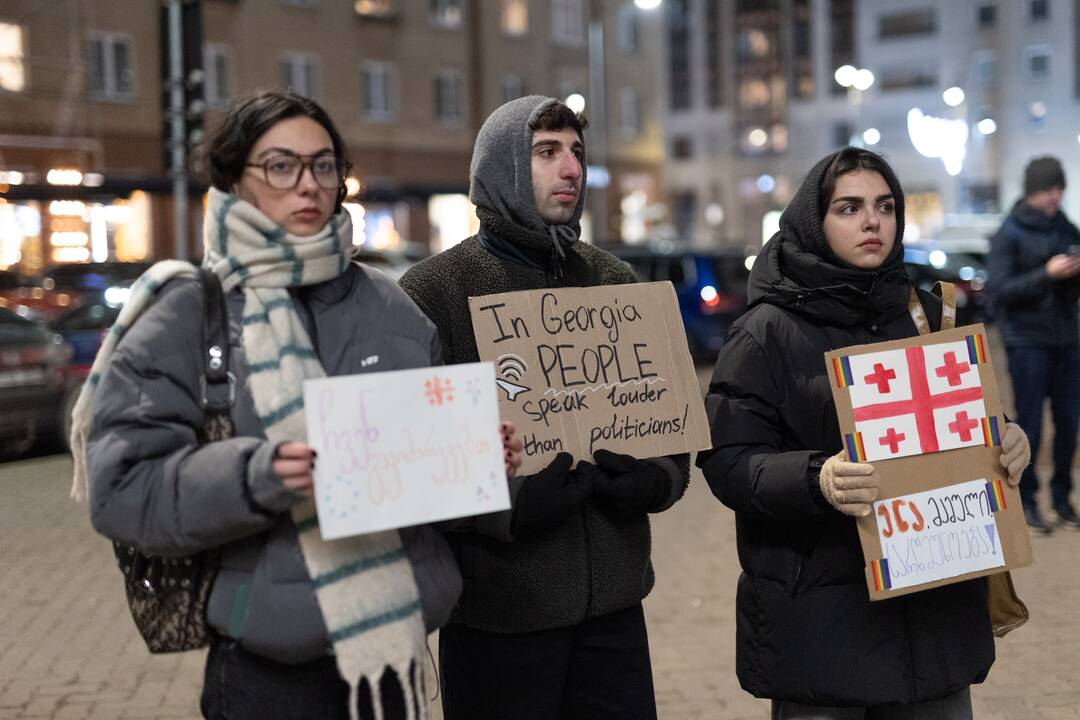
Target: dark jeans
point(954, 707)
point(596, 670)
point(1037, 374)
point(240, 685)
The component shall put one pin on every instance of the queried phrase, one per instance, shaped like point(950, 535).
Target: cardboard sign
point(927, 413)
point(405, 447)
point(581, 369)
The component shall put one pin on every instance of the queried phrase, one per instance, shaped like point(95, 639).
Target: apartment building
point(408, 81)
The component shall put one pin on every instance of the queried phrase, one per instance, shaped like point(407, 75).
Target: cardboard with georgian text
point(927, 413)
point(580, 369)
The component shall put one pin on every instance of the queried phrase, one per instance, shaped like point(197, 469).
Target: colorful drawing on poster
point(880, 571)
point(995, 495)
point(842, 371)
point(917, 400)
point(976, 349)
point(855, 450)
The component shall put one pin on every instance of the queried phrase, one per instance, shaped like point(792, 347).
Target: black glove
point(629, 486)
point(548, 496)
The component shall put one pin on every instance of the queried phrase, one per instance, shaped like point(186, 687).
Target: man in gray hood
point(550, 622)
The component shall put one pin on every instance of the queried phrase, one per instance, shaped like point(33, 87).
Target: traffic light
point(193, 83)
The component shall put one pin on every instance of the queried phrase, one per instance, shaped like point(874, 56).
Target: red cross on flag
point(916, 400)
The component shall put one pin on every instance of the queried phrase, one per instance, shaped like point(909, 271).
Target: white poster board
point(405, 447)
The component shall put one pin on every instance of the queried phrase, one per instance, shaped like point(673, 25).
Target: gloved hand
point(627, 485)
point(548, 496)
point(1015, 452)
point(849, 487)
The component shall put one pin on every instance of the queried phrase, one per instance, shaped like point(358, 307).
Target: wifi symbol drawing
point(512, 367)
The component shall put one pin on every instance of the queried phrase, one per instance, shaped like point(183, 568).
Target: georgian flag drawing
point(917, 400)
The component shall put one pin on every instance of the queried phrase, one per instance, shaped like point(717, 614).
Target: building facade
point(752, 102)
point(408, 82)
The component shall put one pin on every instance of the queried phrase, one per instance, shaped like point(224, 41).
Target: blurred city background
point(705, 115)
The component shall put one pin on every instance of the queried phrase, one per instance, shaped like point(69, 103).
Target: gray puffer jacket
point(153, 486)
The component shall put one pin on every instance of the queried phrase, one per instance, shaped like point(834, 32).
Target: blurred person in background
point(302, 628)
point(807, 635)
point(1034, 279)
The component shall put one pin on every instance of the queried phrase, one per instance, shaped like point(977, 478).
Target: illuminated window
point(112, 66)
point(12, 59)
point(300, 73)
point(447, 13)
point(374, 8)
point(449, 98)
point(378, 91)
point(568, 22)
point(217, 62)
point(514, 19)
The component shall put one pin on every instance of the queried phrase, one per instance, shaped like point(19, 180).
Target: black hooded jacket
point(1033, 309)
point(806, 629)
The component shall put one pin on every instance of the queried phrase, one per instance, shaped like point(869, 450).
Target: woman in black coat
point(808, 636)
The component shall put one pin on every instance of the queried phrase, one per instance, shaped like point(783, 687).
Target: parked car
point(60, 288)
point(710, 286)
point(928, 264)
point(392, 262)
point(32, 379)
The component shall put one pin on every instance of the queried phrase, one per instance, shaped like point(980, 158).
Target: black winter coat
point(1032, 309)
point(806, 629)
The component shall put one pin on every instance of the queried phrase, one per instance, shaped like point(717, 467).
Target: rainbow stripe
point(995, 495)
point(991, 436)
point(880, 570)
point(976, 349)
point(856, 452)
point(842, 371)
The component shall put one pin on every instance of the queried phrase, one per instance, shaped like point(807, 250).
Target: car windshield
point(93, 276)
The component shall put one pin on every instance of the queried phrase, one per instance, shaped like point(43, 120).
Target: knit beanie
point(1043, 173)
point(500, 180)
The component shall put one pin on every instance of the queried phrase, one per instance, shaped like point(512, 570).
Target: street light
point(575, 101)
point(953, 96)
point(857, 81)
point(648, 4)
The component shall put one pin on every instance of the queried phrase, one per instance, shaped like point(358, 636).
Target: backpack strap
point(947, 292)
point(218, 384)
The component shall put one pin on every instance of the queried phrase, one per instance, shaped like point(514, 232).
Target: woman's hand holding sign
point(849, 487)
point(511, 447)
point(1015, 452)
point(293, 463)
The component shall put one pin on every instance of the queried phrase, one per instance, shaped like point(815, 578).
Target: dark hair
point(848, 160)
point(226, 151)
point(557, 116)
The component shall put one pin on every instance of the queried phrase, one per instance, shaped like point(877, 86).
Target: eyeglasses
point(284, 170)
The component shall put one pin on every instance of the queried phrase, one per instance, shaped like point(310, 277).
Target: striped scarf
point(364, 584)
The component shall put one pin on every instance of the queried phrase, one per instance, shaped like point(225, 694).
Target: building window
point(682, 147)
point(841, 38)
point(568, 22)
point(300, 73)
point(909, 23)
point(447, 13)
point(986, 16)
point(714, 79)
point(299, 3)
point(907, 77)
point(514, 18)
point(679, 62)
point(513, 87)
point(628, 31)
point(985, 68)
point(449, 100)
point(1037, 63)
point(112, 71)
point(378, 91)
point(841, 134)
point(374, 8)
point(1038, 10)
point(629, 112)
point(217, 63)
point(12, 58)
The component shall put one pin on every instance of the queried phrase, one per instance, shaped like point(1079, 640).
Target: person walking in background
point(550, 623)
point(807, 635)
point(302, 628)
point(1034, 280)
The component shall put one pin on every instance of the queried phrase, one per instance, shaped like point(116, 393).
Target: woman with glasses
point(301, 628)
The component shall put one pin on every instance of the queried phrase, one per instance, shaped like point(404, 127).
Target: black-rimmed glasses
point(283, 171)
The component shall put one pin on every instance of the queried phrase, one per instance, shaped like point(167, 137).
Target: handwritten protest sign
point(927, 413)
point(581, 369)
point(405, 447)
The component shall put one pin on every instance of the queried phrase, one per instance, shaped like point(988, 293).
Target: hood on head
point(500, 174)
